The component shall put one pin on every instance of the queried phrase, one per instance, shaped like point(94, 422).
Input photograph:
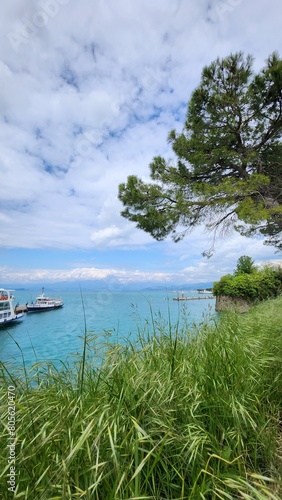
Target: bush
point(260, 285)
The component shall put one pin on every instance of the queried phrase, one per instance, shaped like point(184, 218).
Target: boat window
point(4, 306)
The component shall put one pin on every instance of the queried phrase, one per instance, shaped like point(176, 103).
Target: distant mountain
point(110, 285)
point(182, 287)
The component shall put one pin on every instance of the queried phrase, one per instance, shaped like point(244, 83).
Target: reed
point(190, 413)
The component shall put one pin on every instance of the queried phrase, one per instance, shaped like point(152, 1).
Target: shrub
point(259, 285)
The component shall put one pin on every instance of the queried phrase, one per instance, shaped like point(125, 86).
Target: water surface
point(117, 316)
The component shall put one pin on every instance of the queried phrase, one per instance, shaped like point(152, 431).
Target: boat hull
point(7, 321)
point(41, 308)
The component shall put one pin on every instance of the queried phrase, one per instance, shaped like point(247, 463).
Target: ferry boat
point(7, 311)
point(44, 303)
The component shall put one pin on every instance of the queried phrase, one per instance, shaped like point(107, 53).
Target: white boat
point(44, 303)
point(7, 311)
point(205, 291)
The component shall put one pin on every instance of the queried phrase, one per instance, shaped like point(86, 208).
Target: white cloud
point(81, 274)
point(90, 92)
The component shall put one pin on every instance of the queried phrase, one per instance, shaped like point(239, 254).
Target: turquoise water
point(114, 316)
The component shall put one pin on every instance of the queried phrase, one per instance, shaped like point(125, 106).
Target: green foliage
point(228, 172)
point(192, 414)
point(258, 285)
point(245, 265)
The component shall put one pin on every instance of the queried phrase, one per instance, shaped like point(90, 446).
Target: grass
point(182, 415)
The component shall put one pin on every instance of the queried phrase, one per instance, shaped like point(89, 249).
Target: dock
point(194, 298)
point(20, 309)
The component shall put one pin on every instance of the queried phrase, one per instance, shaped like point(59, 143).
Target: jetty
point(194, 298)
point(182, 297)
point(19, 309)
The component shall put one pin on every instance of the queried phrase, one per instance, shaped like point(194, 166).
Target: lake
point(112, 316)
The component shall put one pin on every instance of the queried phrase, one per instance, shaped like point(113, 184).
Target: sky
point(89, 92)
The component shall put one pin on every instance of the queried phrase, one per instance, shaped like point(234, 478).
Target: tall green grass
point(182, 414)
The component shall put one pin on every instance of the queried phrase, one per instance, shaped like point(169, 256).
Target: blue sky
point(89, 93)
